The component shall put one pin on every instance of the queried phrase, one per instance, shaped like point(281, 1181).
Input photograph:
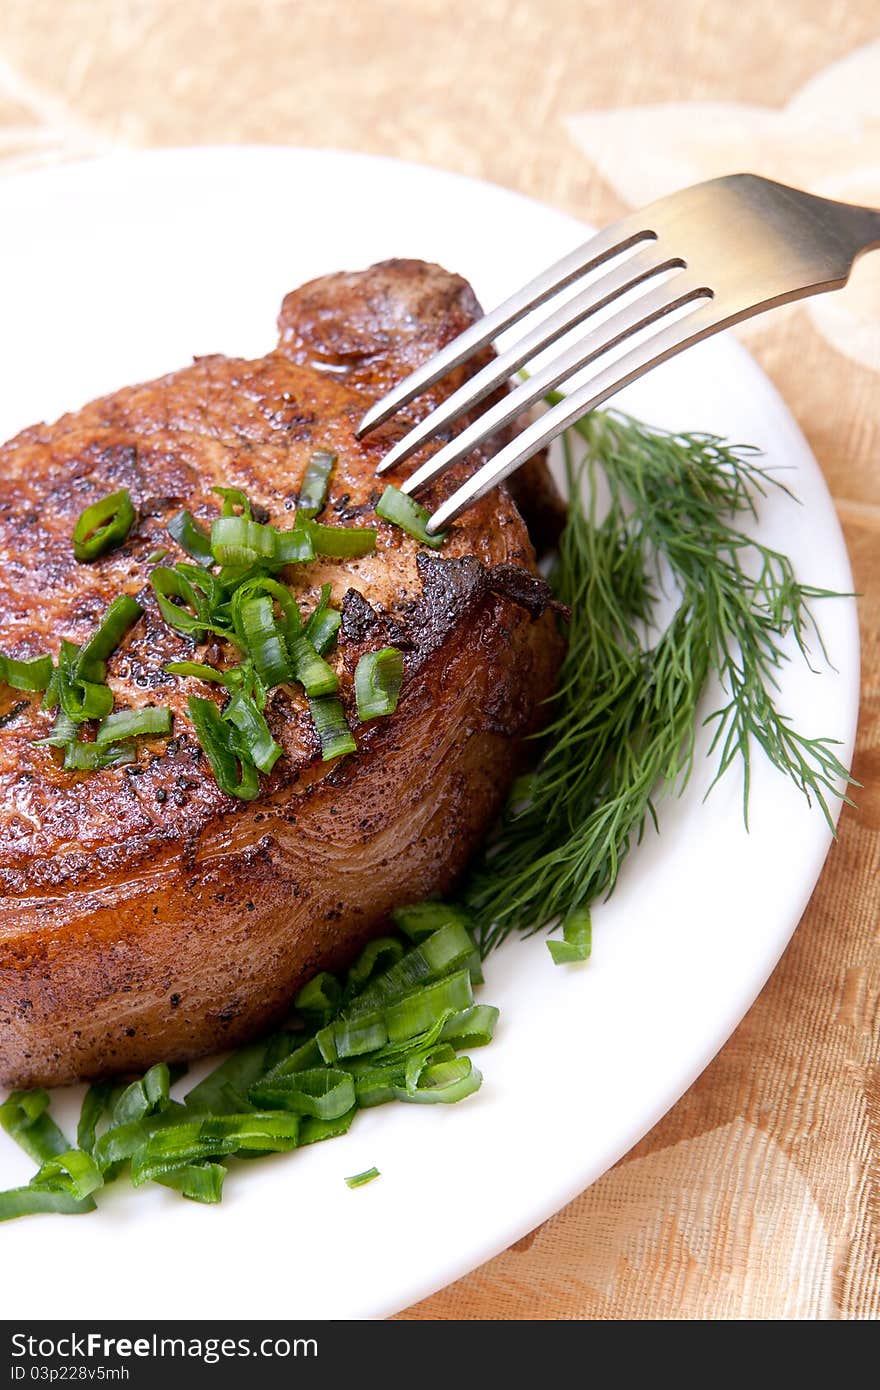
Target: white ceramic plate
point(116, 271)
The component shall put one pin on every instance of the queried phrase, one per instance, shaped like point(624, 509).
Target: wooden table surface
point(758, 1195)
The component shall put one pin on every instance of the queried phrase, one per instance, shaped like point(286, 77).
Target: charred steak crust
point(145, 914)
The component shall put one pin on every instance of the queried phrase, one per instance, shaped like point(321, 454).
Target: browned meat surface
point(144, 913)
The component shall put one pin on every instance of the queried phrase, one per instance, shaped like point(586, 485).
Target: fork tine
point(628, 231)
point(643, 311)
point(604, 291)
point(658, 348)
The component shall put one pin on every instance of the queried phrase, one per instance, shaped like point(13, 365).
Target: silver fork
point(728, 249)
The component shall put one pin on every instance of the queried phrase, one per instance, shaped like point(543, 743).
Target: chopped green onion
point(446, 950)
point(93, 757)
point(319, 1000)
point(420, 920)
point(213, 1137)
point(409, 515)
point(324, 623)
point(401, 1020)
point(198, 670)
point(262, 585)
point(304, 1057)
point(377, 682)
point(72, 1171)
point(121, 615)
point(103, 526)
point(256, 737)
point(360, 1179)
point(443, 1083)
point(294, 547)
point(96, 1103)
point(145, 1096)
point(29, 1201)
point(330, 724)
point(473, 1027)
point(191, 615)
point(234, 772)
point(224, 1090)
point(80, 699)
point(25, 1117)
point(376, 957)
point(352, 1037)
point(341, 542)
point(310, 669)
point(201, 1182)
point(65, 730)
point(313, 492)
point(190, 536)
point(323, 1092)
point(155, 556)
point(280, 1093)
point(577, 938)
point(134, 723)
point(416, 1012)
point(236, 540)
point(312, 1131)
point(213, 590)
point(120, 1142)
point(234, 497)
point(263, 640)
point(32, 674)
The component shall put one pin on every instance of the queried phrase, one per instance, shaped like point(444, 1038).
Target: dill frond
point(628, 703)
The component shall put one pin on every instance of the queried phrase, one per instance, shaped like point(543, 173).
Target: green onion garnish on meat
point(236, 540)
point(34, 673)
point(263, 640)
point(233, 497)
point(121, 615)
point(255, 738)
point(294, 547)
point(340, 542)
point(323, 623)
point(409, 515)
point(377, 682)
point(313, 492)
point(94, 757)
point(181, 604)
point(361, 1179)
point(103, 526)
point(310, 669)
point(231, 765)
point(190, 536)
point(332, 729)
point(150, 722)
point(198, 671)
point(264, 586)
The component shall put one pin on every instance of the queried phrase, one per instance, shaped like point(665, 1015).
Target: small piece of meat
point(145, 915)
point(358, 617)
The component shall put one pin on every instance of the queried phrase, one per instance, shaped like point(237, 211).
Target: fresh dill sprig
point(628, 703)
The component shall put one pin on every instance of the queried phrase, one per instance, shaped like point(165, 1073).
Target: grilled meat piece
point(145, 914)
